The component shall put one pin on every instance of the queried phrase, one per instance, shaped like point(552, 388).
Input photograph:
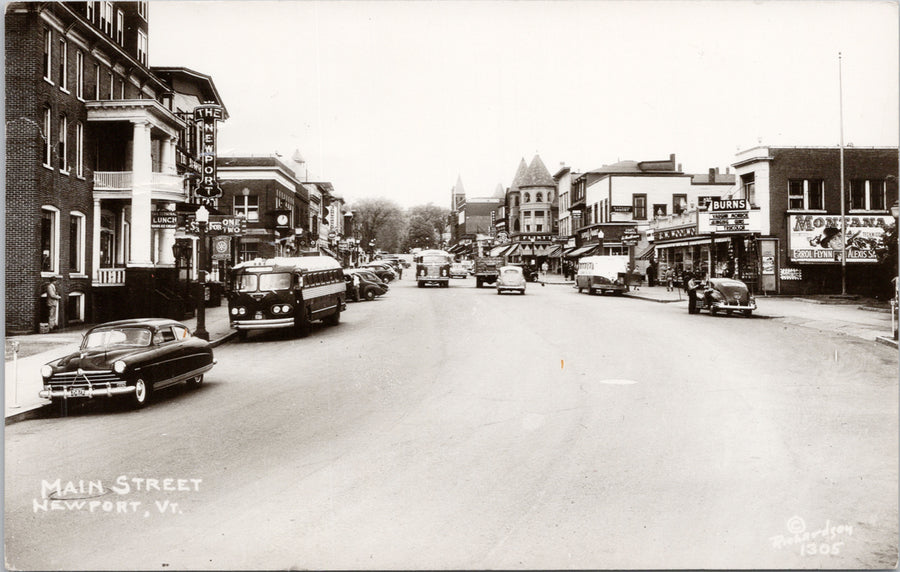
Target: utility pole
point(843, 219)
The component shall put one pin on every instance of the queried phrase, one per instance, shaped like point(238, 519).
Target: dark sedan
point(381, 269)
point(370, 286)
point(132, 358)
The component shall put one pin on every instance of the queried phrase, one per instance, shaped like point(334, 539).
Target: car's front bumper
point(718, 305)
point(105, 390)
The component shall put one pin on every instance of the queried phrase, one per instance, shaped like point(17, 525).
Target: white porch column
point(95, 241)
point(165, 255)
point(167, 155)
point(141, 185)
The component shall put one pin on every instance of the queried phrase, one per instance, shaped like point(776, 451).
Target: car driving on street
point(511, 279)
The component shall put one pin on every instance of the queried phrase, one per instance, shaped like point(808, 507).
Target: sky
point(399, 99)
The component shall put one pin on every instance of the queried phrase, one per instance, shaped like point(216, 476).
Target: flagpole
point(843, 219)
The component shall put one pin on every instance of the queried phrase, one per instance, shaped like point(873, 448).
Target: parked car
point(511, 279)
point(725, 295)
point(370, 286)
point(132, 358)
point(381, 269)
point(470, 266)
point(458, 270)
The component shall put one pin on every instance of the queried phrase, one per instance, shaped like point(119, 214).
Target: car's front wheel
point(141, 395)
point(370, 294)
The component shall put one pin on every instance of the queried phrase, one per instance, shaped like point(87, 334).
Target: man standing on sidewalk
point(53, 298)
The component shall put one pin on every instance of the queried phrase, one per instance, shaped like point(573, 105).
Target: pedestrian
point(355, 287)
point(53, 298)
point(694, 287)
point(670, 279)
point(651, 273)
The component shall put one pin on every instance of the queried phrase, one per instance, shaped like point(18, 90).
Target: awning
point(583, 251)
point(555, 252)
point(498, 250)
point(512, 250)
point(456, 248)
point(327, 252)
point(569, 251)
point(647, 254)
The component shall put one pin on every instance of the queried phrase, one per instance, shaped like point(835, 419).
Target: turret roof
point(537, 175)
point(520, 174)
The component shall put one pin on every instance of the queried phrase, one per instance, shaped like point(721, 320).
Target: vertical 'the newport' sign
point(207, 115)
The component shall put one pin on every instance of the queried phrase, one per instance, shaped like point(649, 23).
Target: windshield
point(249, 282)
point(434, 259)
point(118, 337)
point(512, 272)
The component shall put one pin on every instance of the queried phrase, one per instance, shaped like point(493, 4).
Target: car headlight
point(119, 367)
point(421, 272)
point(46, 371)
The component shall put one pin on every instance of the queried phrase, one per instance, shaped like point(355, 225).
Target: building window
point(639, 206)
point(49, 239)
point(121, 89)
point(112, 86)
point(867, 195)
point(63, 63)
point(48, 50)
point(79, 149)
point(89, 12)
point(527, 198)
point(63, 157)
point(248, 251)
point(539, 228)
point(79, 74)
point(679, 204)
point(142, 9)
point(75, 307)
point(106, 23)
point(142, 47)
point(46, 134)
point(748, 187)
point(549, 196)
point(247, 206)
point(806, 194)
point(659, 210)
point(76, 242)
point(539, 197)
point(97, 81)
point(120, 27)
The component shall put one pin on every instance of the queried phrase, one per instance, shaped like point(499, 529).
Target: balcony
point(110, 277)
point(120, 183)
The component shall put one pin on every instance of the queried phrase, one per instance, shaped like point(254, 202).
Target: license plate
point(258, 316)
point(76, 392)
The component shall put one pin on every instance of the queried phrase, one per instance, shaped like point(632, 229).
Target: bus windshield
point(434, 259)
point(277, 281)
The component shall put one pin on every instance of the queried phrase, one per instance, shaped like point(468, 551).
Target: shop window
point(639, 206)
point(49, 240)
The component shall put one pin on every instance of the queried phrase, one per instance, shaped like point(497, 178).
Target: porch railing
point(110, 277)
point(124, 181)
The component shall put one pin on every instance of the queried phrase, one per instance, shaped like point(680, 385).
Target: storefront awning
point(583, 251)
point(555, 252)
point(327, 252)
point(691, 242)
point(511, 251)
point(498, 250)
point(647, 254)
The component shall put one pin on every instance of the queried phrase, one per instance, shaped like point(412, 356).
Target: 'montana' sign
point(818, 238)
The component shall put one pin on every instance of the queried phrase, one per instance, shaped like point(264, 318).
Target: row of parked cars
point(373, 279)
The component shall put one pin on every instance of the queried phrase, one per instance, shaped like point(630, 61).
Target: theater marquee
point(817, 238)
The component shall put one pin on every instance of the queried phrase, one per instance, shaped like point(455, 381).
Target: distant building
point(472, 222)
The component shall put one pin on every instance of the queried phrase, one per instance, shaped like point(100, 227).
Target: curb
point(648, 299)
point(887, 341)
point(874, 309)
point(36, 410)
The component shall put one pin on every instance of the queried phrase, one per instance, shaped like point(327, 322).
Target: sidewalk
point(22, 378)
point(857, 318)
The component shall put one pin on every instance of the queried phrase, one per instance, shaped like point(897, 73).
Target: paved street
point(455, 428)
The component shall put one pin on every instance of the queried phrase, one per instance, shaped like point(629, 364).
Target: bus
point(433, 266)
point(275, 293)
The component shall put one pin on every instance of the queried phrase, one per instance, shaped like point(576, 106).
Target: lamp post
point(202, 221)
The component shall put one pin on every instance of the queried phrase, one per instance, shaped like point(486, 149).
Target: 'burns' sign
point(207, 115)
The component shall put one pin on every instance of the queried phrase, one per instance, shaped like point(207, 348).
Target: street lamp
point(202, 221)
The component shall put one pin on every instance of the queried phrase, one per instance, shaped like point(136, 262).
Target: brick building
point(98, 143)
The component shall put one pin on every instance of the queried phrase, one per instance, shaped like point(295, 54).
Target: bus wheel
point(478, 282)
point(301, 324)
point(242, 335)
point(334, 319)
point(420, 284)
